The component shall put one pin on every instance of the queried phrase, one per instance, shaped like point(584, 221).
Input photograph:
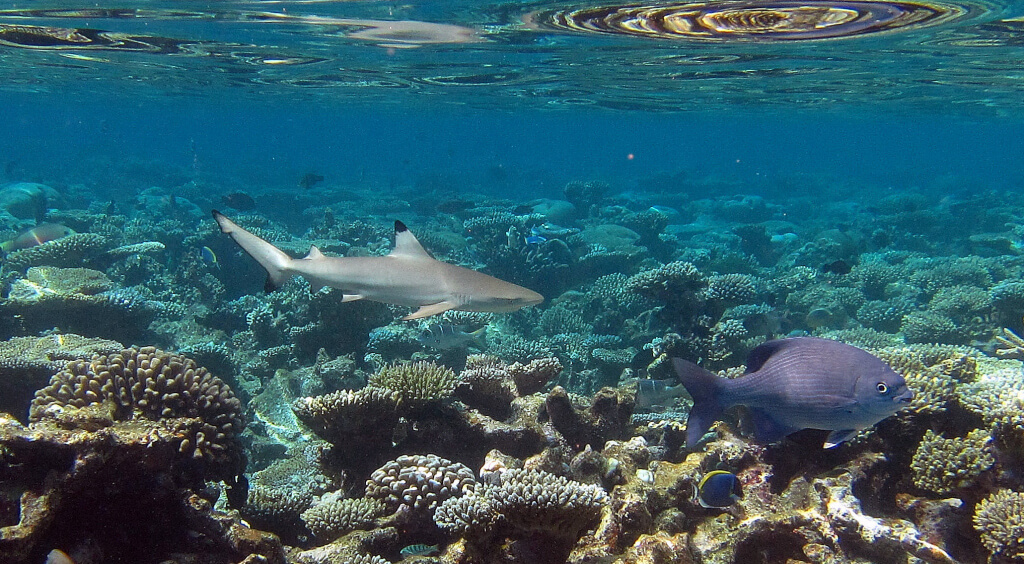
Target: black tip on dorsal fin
point(400, 227)
point(216, 213)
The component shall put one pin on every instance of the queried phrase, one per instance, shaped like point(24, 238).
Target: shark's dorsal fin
point(406, 244)
point(314, 253)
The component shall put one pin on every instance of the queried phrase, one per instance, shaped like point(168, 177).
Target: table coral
point(71, 251)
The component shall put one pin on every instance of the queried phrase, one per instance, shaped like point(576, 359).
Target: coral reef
point(999, 519)
point(531, 506)
point(419, 482)
point(27, 363)
point(155, 385)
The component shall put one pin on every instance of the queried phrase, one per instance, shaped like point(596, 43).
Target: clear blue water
point(536, 107)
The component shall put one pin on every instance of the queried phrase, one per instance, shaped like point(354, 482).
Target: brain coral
point(419, 481)
point(154, 384)
point(416, 383)
point(999, 519)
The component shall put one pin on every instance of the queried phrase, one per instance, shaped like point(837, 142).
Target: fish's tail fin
point(479, 338)
point(705, 389)
point(273, 260)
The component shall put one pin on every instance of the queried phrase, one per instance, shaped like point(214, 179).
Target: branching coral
point(417, 383)
point(999, 519)
point(330, 519)
point(943, 465)
point(525, 501)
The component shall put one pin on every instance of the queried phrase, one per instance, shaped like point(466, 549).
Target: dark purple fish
point(798, 383)
point(239, 200)
point(309, 180)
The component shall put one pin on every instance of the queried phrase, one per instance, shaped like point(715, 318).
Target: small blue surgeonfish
point(798, 383)
point(718, 489)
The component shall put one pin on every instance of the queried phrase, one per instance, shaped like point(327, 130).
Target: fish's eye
point(881, 387)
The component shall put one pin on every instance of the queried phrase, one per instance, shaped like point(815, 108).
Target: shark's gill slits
point(743, 20)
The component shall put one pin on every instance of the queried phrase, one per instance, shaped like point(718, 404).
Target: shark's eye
point(881, 387)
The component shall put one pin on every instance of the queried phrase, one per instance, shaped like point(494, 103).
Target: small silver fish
point(657, 392)
point(548, 229)
point(418, 550)
point(444, 336)
point(798, 383)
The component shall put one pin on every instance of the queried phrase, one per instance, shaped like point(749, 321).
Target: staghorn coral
point(153, 384)
point(998, 399)
point(419, 482)
point(999, 519)
point(524, 502)
point(1009, 345)
point(931, 327)
point(584, 194)
point(417, 383)
point(487, 385)
point(330, 519)
point(884, 315)
point(944, 465)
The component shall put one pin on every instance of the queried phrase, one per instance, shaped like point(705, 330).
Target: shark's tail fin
point(273, 260)
point(705, 388)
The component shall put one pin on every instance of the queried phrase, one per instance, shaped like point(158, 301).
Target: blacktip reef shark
point(408, 276)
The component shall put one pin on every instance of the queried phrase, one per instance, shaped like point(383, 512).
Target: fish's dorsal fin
point(314, 253)
point(406, 244)
point(764, 351)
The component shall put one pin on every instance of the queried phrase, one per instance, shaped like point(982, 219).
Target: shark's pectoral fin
point(430, 309)
point(351, 297)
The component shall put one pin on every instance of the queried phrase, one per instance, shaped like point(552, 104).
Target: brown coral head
point(149, 383)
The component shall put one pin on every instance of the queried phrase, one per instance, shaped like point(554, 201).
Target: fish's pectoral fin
point(766, 428)
point(838, 436)
point(430, 309)
point(351, 297)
